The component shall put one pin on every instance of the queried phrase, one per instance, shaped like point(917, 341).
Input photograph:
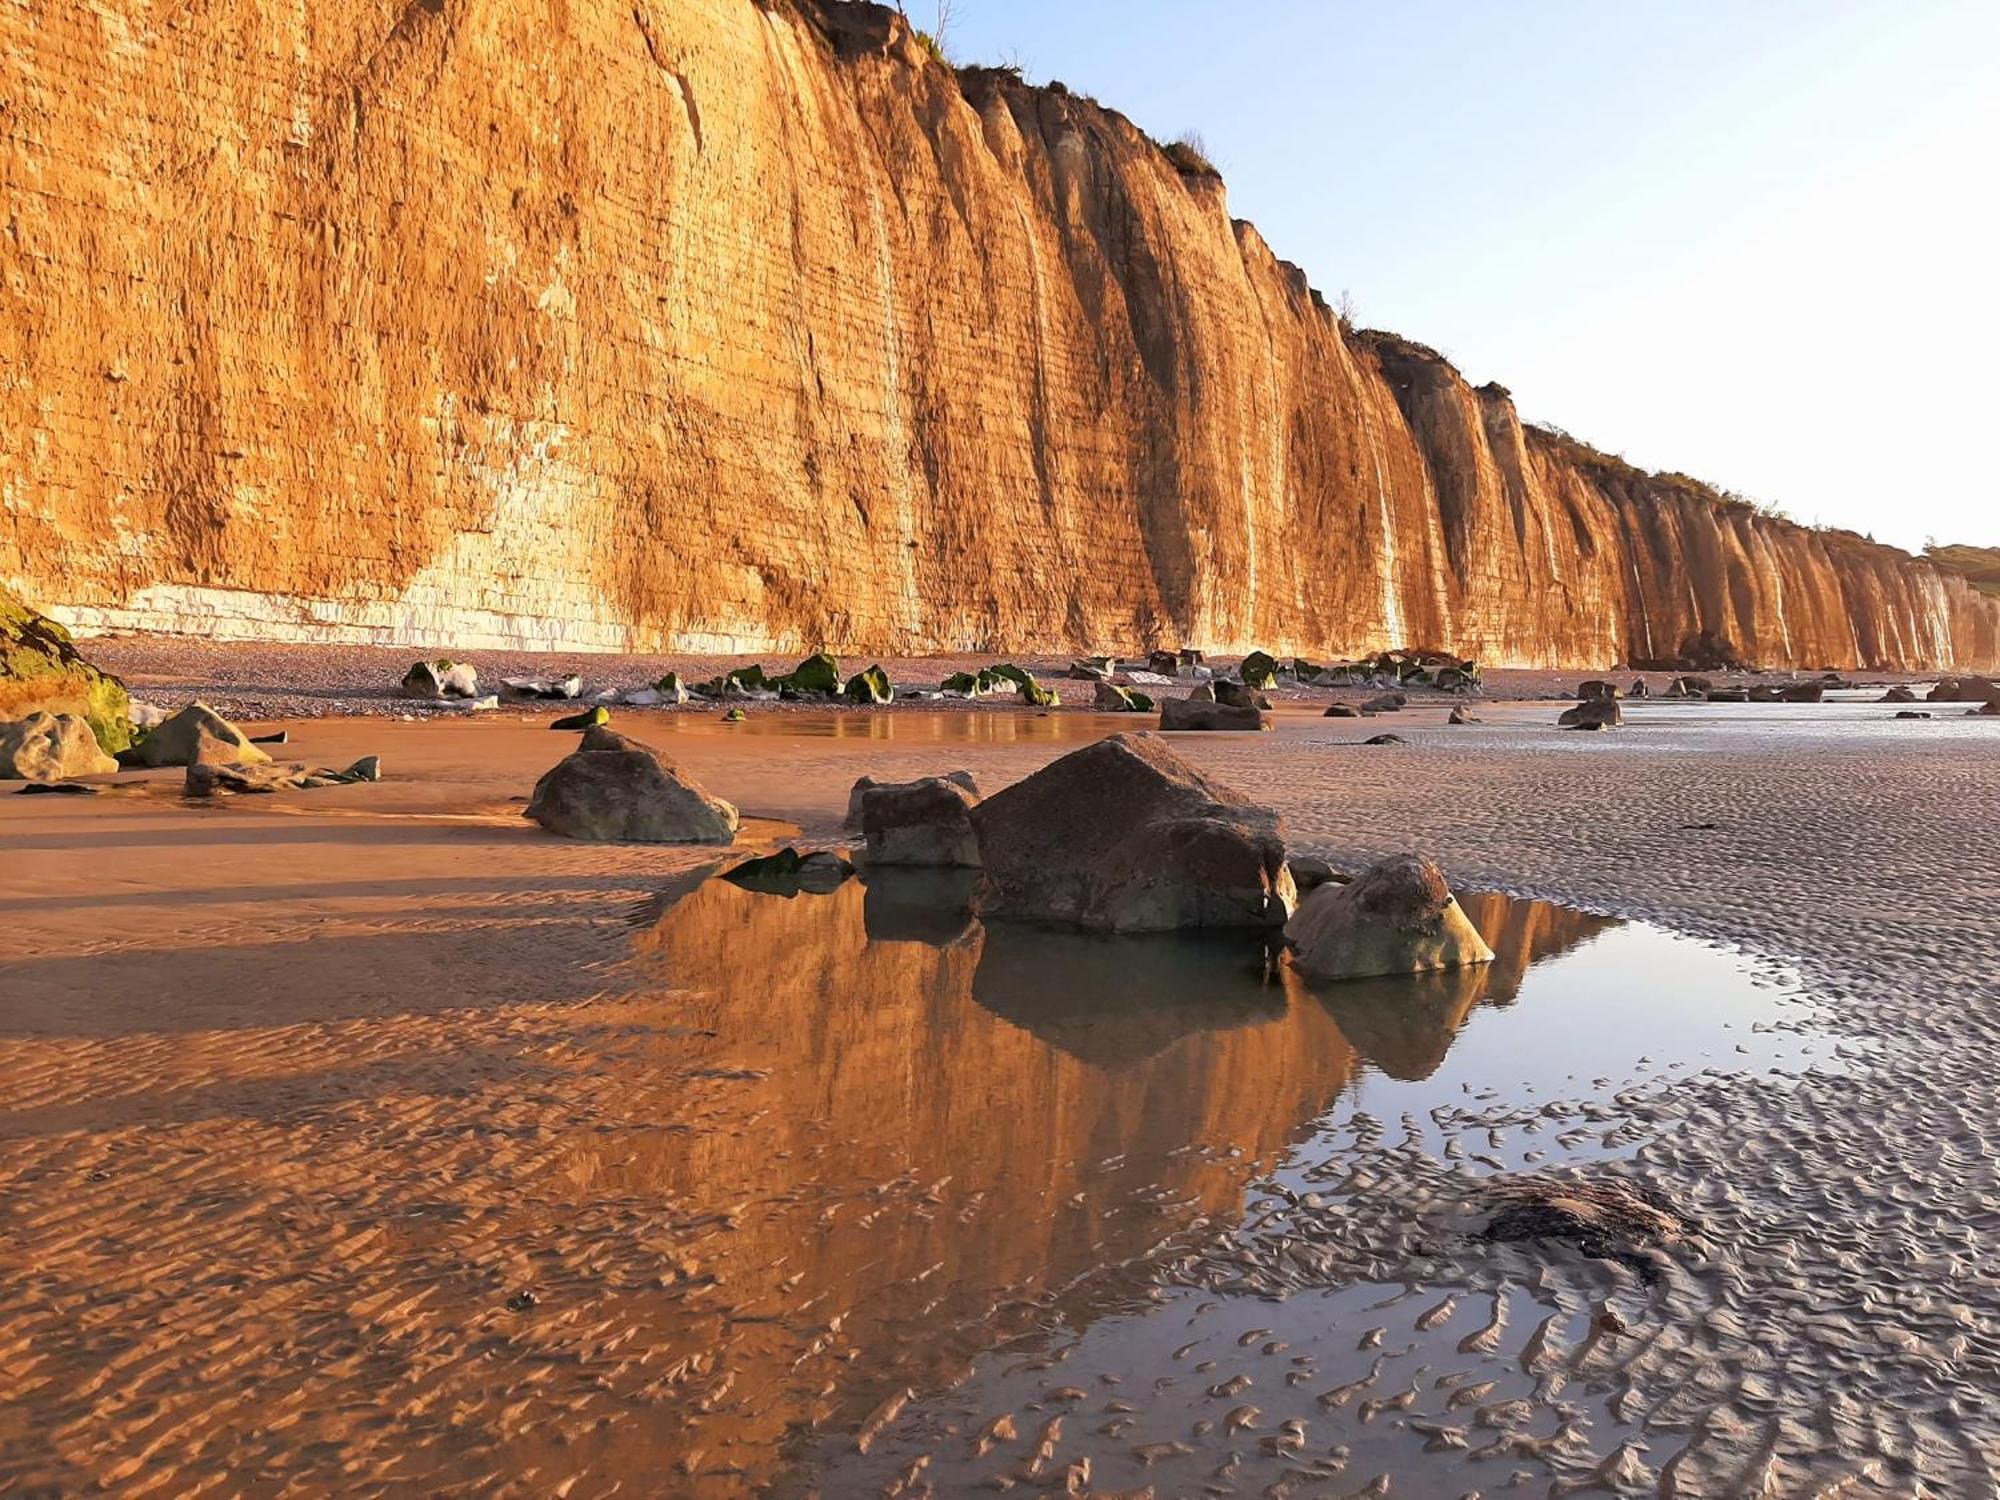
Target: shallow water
point(989, 1133)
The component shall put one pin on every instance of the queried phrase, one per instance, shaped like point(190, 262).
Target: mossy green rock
point(588, 719)
point(871, 686)
point(41, 670)
point(1260, 670)
point(819, 673)
point(970, 684)
point(1032, 692)
point(1006, 671)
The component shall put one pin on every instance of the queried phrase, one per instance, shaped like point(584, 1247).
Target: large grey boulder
point(1193, 713)
point(1593, 713)
point(47, 747)
point(1126, 836)
point(613, 789)
point(1398, 917)
point(866, 784)
point(923, 822)
point(196, 736)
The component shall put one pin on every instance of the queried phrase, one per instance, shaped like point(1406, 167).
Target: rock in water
point(590, 718)
point(1126, 836)
point(1194, 713)
point(1593, 713)
point(47, 747)
point(1898, 694)
point(1803, 692)
point(617, 790)
point(923, 822)
point(1597, 690)
point(1114, 699)
point(1341, 711)
point(1398, 917)
point(196, 736)
point(42, 671)
point(788, 872)
point(867, 784)
point(1460, 716)
point(1965, 690)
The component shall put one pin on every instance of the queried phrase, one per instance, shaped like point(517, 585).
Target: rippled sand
point(369, 1141)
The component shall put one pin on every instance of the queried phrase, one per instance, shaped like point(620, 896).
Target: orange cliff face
point(739, 325)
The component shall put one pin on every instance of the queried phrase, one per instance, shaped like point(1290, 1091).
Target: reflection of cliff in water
point(899, 1134)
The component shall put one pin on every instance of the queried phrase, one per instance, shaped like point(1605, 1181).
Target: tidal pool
point(974, 1156)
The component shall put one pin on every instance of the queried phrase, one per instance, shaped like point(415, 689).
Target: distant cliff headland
point(718, 324)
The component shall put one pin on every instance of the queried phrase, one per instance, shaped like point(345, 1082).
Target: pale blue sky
point(1754, 240)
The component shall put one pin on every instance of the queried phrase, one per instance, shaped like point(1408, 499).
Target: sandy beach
point(370, 1140)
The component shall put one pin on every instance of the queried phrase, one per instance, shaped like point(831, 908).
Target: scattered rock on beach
point(1913, 713)
point(543, 687)
point(1126, 836)
point(1990, 709)
point(613, 789)
point(924, 822)
point(1310, 872)
point(1689, 687)
point(1385, 703)
point(1460, 716)
point(1596, 689)
point(1341, 711)
point(1236, 694)
point(441, 679)
point(1385, 739)
point(197, 735)
point(1397, 917)
point(869, 687)
point(1898, 694)
point(1195, 713)
point(46, 747)
point(1802, 692)
point(1965, 690)
point(1593, 713)
point(212, 780)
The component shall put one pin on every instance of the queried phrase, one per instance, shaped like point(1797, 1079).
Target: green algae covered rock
point(1260, 670)
point(590, 718)
point(41, 670)
point(871, 686)
point(818, 673)
point(965, 684)
point(1034, 694)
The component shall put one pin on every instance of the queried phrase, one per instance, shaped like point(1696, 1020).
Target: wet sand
point(368, 1140)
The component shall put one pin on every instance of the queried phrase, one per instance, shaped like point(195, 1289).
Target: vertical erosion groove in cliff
point(718, 324)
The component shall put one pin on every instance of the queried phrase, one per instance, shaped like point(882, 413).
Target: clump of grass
point(1190, 157)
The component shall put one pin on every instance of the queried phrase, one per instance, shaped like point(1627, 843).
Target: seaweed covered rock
point(788, 872)
point(1397, 917)
point(871, 686)
point(1259, 670)
point(818, 676)
point(923, 822)
point(41, 670)
point(1121, 700)
point(1629, 1223)
point(613, 789)
point(196, 736)
point(1126, 836)
point(46, 747)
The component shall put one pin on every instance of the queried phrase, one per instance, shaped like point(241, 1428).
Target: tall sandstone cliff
point(676, 324)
